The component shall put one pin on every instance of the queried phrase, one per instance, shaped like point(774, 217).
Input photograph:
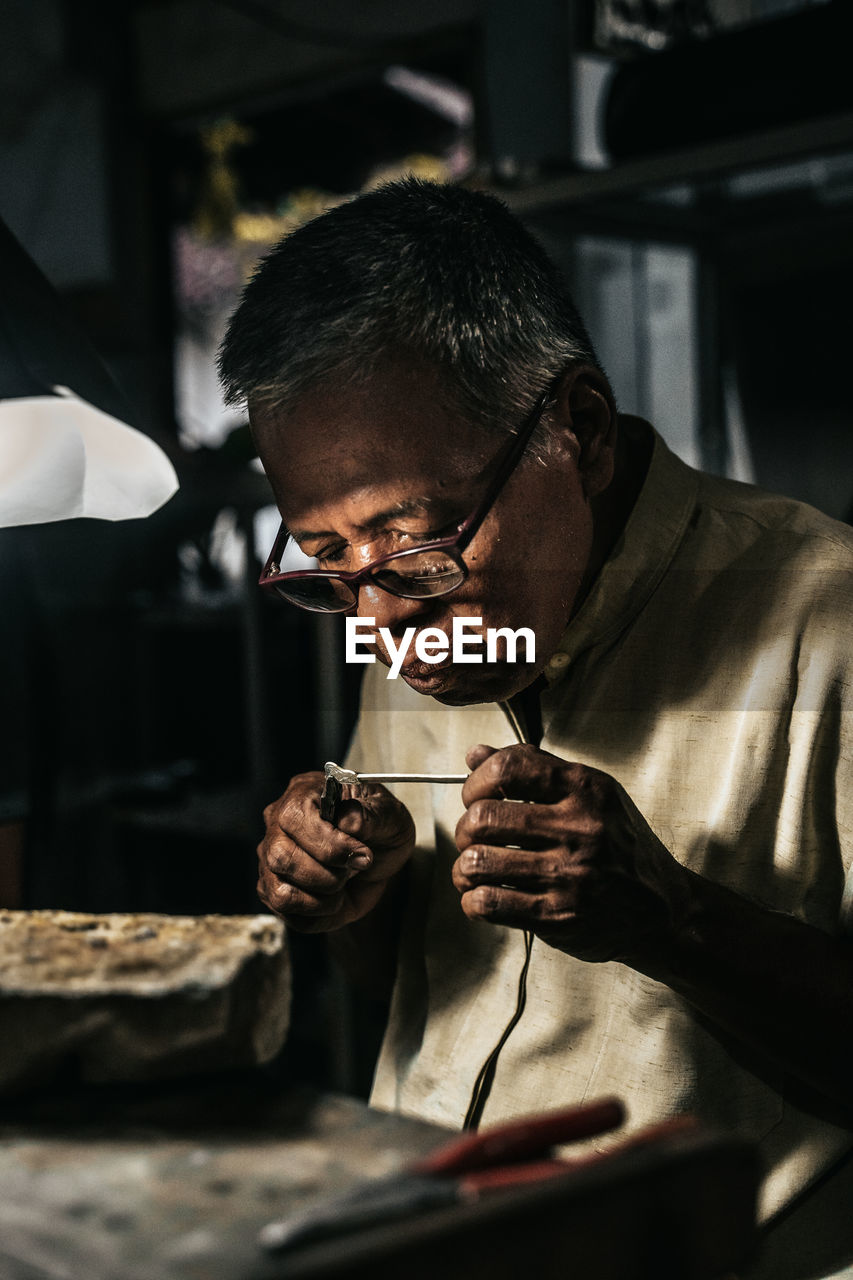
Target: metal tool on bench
point(337, 778)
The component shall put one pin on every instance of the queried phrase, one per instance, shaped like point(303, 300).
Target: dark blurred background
point(689, 163)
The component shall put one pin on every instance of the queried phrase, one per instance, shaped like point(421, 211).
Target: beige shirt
point(710, 670)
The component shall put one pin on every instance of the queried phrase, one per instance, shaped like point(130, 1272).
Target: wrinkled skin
point(576, 864)
point(320, 877)
point(394, 442)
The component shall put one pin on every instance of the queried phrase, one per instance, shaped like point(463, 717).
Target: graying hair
point(434, 274)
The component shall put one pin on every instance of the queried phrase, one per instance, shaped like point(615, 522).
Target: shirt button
point(557, 663)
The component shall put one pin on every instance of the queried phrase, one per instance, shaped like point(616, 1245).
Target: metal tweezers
point(338, 778)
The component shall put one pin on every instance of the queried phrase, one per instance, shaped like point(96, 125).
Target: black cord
point(485, 1079)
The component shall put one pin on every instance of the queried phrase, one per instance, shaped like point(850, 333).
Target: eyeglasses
point(433, 568)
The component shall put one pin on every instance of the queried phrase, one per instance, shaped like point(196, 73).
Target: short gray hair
point(432, 273)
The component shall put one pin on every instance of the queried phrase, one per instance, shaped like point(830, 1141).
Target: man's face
point(362, 472)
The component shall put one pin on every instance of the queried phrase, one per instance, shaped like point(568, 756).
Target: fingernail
point(359, 861)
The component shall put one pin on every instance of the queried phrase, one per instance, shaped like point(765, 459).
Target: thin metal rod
point(349, 777)
point(412, 777)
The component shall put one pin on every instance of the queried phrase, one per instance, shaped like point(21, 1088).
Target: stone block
point(138, 997)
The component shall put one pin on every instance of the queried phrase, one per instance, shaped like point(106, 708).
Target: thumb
point(475, 757)
point(377, 818)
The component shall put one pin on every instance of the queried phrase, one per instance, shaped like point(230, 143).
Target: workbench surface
point(169, 1185)
point(175, 1183)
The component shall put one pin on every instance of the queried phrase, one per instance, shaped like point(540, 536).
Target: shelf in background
point(803, 140)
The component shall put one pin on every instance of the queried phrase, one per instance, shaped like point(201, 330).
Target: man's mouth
point(492, 651)
point(407, 664)
point(424, 676)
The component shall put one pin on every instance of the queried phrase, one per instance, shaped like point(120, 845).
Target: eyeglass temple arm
point(520, 441)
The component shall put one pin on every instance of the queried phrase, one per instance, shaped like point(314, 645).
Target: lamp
point(65, 447)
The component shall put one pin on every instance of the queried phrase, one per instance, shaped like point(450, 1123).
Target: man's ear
point(586, 409)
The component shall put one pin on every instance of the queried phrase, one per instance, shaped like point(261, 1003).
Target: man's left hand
point(577, 864)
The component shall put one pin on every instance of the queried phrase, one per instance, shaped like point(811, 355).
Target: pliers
point(462, 1169)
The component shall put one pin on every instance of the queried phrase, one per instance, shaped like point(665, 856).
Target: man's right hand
point(320, 877)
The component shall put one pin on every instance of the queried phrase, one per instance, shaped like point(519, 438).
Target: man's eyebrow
point(399, 511)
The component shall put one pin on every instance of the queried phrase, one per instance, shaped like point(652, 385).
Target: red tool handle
point(521, 1140)
point(480, 1181)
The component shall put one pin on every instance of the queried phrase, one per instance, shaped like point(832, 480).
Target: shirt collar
point(638, 561)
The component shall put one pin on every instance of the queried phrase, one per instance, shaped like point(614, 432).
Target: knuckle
point(474, 860)
point(502, 765)
point(576, 774)
point(272, 895)
point(292, 817)
point(481, 901)
point(459, 876)
point(494, 766)
point(488, 898)
point(263, 860)
point(281, 857)
point(301, 791)
point(553, 868)
point(542, 907)
point(482, 815)
point(463, 834)
point(280, 898)
point(520, 758)
point(591, 782)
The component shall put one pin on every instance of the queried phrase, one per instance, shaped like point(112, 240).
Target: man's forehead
point(378, 517)
point(397, 401)
point(407, 453)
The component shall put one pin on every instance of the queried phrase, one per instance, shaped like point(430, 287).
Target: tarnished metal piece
point(330, 797)
point(346, 777)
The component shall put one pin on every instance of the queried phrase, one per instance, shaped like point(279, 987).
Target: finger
point(300, 825)
point(288, 900)
point(515, 868)
point(524, 772)
point(502, 822)
point(284, 859)
point(475, 757)
point(296, 815)
point(377, 819)
point(498, 904)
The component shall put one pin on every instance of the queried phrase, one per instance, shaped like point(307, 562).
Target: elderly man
point(663, 918)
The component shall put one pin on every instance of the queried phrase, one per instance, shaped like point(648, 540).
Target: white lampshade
point(61, 457)
point(64, 452)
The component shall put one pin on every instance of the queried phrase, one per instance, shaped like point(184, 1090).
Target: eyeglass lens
point(415, 575)
point(323, 595)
